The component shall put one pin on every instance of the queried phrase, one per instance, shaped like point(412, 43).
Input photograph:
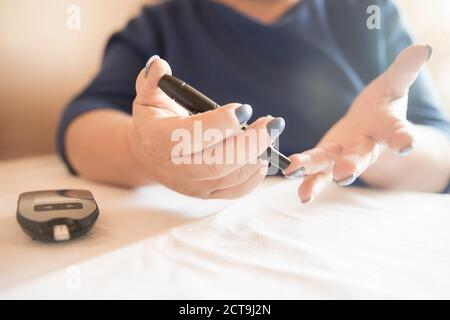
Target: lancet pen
point(196, 102)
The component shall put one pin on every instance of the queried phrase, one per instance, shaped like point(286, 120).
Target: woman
point(312, 62)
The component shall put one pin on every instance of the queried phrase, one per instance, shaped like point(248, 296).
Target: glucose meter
point(56, 215)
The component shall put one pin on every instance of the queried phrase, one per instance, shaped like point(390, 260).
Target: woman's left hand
point(376, 117)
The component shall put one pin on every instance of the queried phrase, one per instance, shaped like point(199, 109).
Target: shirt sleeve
point(424, 106)
point(114, 85)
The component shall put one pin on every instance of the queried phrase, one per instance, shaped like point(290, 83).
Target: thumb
point(402, 73)
point(404, 70)
point(147, 80)
point(148, 94)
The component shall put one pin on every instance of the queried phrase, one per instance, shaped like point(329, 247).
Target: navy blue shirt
point(307, 67)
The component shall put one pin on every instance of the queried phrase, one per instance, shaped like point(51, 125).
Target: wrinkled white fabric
point(153, 243)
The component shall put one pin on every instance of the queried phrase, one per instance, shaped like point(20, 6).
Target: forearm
point(426, 169)
point(97, 146)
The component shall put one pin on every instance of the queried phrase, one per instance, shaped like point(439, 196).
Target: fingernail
point(275, 127)
point(311, 199)
point(149, 62)
point(430, 51)
point(348, 181)
point(304, 161)
point(406, 151)
point(296, 174)
point(243, 113)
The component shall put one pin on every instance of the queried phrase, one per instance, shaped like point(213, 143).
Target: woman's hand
point(157, 120)
point(376, 117)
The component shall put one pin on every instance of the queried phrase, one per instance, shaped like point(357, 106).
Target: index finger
point(312, 161)
point(232, 153)
point(204, 129)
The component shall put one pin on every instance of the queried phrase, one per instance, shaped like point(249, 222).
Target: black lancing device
point(196, 102)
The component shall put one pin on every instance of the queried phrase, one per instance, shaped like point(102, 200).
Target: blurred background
point(43, 62)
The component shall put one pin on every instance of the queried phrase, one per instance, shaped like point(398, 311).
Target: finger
point(204, 188)
point(242, 189)
point(236, 151)
point(149, 95)
point(401, 140)
point(207, 128)
point(404, 70)
point(354, 162)
point(236, 177)
point(313, 185)
point(312, 161)
point(397, 135)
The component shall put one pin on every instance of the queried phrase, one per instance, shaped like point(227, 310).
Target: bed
point(151, 243)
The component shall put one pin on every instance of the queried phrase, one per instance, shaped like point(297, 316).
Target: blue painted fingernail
point(311, 199)
point(149, 63)
point(430, 51)
point(296, 174)
point(243, 113)
point(406, 151)
point(276, 127)
point(348, 181)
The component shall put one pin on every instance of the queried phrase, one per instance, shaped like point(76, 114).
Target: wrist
point(140, 174)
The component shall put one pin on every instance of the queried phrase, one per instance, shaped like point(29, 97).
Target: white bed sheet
point(153, 243)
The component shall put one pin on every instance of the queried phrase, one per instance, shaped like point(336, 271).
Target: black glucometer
point(56, 215)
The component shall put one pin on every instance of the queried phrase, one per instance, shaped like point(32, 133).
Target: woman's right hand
point(219, 159)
